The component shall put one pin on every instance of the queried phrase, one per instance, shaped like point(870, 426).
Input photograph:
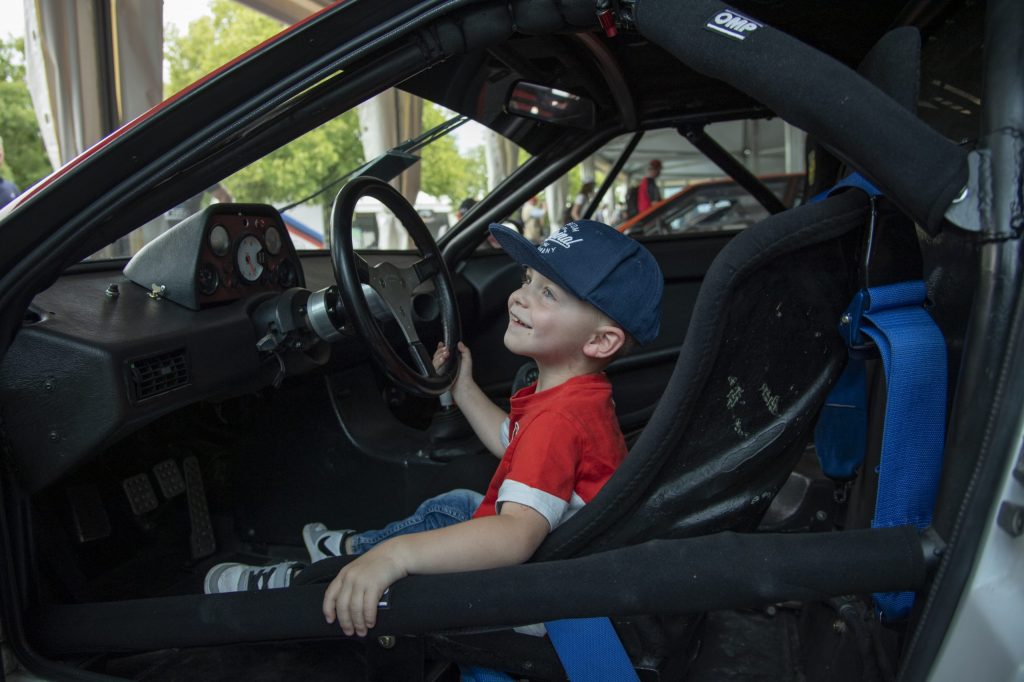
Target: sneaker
point(232, 577)
point(322, 543)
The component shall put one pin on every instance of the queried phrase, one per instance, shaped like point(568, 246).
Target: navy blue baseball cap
point(599, 265)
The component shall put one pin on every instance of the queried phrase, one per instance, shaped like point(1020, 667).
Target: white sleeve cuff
point(551, 507)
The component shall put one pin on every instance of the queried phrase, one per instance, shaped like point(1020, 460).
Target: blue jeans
point(447, 509)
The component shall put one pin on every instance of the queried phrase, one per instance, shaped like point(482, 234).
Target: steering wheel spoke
point(395, 286)
point(362, 268)
point(424, 269)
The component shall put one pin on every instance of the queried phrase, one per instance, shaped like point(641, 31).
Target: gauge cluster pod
point(223, 253)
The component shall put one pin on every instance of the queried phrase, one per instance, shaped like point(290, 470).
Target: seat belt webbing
point(590, 650)
point(913, 354)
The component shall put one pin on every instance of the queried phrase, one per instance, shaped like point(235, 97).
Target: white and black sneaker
point(231, 577)
point(322, 543)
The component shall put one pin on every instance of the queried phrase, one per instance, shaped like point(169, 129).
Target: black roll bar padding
point(917, 168)
point(722, 571)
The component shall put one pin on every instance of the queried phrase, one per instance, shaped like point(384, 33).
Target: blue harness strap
point(840, 436)
point(913, 353)
point(590, 650)
point(852, 180)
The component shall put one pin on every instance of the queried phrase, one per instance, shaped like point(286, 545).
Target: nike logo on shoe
point(321, 545)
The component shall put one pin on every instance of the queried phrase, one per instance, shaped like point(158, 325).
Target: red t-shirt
point(565, 443)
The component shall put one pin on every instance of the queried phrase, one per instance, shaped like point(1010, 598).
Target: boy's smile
point(516, 321)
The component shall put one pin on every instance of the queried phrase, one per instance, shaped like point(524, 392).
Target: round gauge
point(287, 276)
point(209, 280)
point(249, 258)
point(273, 239)
point(220, 241)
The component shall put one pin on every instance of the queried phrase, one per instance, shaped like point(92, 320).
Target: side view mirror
point(550, 105)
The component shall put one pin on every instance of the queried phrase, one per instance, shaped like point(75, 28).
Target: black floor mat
point(752, 646)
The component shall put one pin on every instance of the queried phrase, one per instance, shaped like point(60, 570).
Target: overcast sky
point(176, 12)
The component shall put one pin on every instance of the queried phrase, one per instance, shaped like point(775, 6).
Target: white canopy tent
point(91, 66)
point(765, 146)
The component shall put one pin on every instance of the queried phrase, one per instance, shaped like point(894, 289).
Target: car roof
point(638, 83)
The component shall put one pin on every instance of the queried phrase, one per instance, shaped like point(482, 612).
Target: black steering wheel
point(395, 286)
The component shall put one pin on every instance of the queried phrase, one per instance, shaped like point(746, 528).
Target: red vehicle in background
point(713, 206)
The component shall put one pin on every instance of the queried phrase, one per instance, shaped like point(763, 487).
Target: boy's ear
point(605, 342)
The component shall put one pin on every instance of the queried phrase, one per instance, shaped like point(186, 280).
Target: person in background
point(8, 190)
point(648, 192)
point(579, 204)
point(467, 203)
point(534, 221)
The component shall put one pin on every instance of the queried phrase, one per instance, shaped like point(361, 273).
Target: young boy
point(588, 292)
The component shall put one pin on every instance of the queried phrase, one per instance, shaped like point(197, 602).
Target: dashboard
point(101, 353)
point(224, 253)
point(101, 356)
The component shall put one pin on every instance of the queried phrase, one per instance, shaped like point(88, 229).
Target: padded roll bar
point(917, 168)
point(723, 571)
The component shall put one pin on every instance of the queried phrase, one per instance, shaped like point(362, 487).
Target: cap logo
point(561, 238)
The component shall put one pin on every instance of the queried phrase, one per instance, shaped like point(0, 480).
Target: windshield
point(436, 158)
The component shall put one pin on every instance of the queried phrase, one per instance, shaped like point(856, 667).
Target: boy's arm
point(485, 417)
point(488, 542)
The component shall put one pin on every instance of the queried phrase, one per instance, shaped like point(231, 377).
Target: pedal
point(202, 540)
point(169, 478)
point(140, 493)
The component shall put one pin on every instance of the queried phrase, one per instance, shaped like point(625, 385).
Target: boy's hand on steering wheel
point(465, 376)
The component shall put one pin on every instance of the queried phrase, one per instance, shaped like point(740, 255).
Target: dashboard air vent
point(158, 374)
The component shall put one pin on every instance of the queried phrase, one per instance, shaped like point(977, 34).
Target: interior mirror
point(550, 105)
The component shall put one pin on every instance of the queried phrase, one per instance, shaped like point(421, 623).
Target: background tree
point(26, 161)
point(446, 172)
point(296, 170)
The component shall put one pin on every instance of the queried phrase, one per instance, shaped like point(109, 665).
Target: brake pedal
point(202, 540)
point(169, 478)
point(140, 493)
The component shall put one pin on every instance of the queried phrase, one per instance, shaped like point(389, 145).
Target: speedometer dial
point(249, 258)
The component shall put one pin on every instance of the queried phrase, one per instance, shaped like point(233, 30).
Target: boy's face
point(547, 323)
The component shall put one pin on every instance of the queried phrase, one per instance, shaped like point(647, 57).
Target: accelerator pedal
point(202, 540)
